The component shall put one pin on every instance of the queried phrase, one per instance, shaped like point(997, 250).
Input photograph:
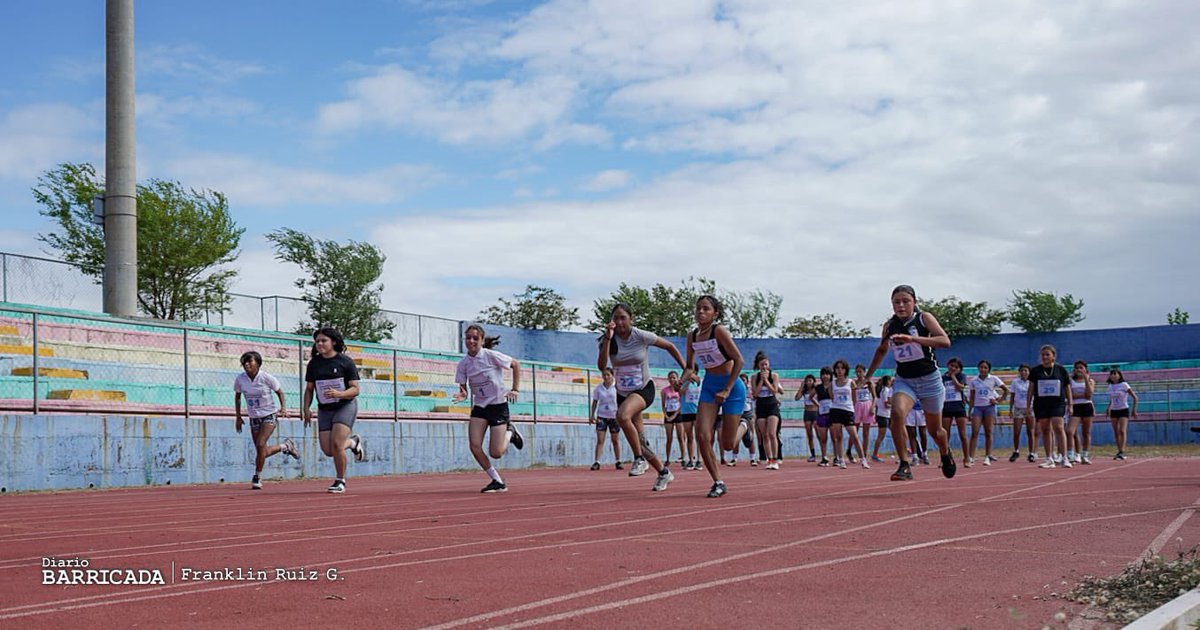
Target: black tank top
point(914, 326)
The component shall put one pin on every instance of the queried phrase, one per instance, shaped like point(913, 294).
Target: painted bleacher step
point(51, 372)
point(23, 349)
point(86, 394)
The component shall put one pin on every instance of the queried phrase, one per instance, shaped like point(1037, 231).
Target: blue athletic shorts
point(714, 383)
point(927, 389)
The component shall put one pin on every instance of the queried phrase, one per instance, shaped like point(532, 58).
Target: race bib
point(693, 394)
point(910, 351)
point(764, 392)
point(336, 384)
point(708, 353)
point(824, 406)
point(1051, 388)
point(841, 397)
point(483, 391)
point(629, 377)
point(862, 395)
point(672, 404)
point(257, 402)
point(983, 397)
point(952, 394)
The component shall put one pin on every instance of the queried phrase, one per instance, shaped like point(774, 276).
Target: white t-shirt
point(1118, 396)
point(881, 403)
point(1020, 390)
point(841, 396)
point(631, 361)
point(985, 390)
point(259, 393)
point(1079, 392)
point(606, 401)
point(484, 373)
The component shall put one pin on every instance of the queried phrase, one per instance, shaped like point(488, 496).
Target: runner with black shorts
point(333, 378)
point(1119, 393)
point(1051, 389)
point(482, 372)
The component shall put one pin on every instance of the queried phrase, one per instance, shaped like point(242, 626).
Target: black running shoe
point(619, 466)
point(516, 439)
point(360, 453)
point(1014, 457)
point(903, 473)
point(717, 490)
point(337, 487)
point(255, 483)
point(596, 466)
point(948, 465)
point(495, 486)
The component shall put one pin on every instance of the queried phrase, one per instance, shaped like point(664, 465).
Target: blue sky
point(823, 152)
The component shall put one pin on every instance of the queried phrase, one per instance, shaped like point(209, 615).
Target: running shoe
point(812, 458)
point(255, 483)
point(992, 459)
point(824, 462)
point(1085, 460)
point(620, 466)
point(731, 463)
point(841, 464)
point(968, 462)
point(639, 467)
point(753, 462)
point(876, 459)
point(1049, 463)
point(987, 461)
point(1120, 456)
point(1014, 457)
point(717, 490)
point(515, 439)
point(337, 487)
point(948, 465)
point(665, 477)
point(1032, 458)
point(595, 465)
point(865, 465)
point(360, 453)
point(289, 448)
point(1066, 462)
point(494, 486)
point(1076, 459)
point(925, 460)
point(903, 473)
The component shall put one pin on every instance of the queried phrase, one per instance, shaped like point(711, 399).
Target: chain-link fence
point(44, 282)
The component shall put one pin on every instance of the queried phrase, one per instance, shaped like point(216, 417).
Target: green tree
point(659, 309)
point(1179, 317)
point(339, 284)
point(538, 308)
point(1042, 311)
point(823, 326)
point(751, 313)
point(962, 318)
point(184, 236)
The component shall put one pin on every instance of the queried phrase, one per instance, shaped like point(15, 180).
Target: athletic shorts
point(256, 424)
point(1020, 413)
point(1118, 413)
point(345, 414)
point(810, 415)
point(748, 418)
point(714, 383)
point(646, 393)
point(823, 420)
point(496, 415)
point(954, 409)
point(984, 412)
point(915, 419)
point(1083, 410)
point(928, 390)
point(864, 412)
point(685, 417)
point(766, 407)
point(669, 419)
point(841, 416)
point(883, 422)
point(1053, 409)
point(607, 424)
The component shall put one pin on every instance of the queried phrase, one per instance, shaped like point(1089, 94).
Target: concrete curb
point(1178, 614)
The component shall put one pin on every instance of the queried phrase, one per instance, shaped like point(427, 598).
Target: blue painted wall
point(64, 452)
point(1148, 343)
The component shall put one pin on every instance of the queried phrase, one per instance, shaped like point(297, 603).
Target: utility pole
point(120, 163)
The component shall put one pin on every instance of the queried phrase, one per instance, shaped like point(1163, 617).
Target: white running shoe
point(1066, 463)
point(665, 477)
point(987, 461)
point(841, 464)
point(865, 465)
point(1049, 463)
point(640, 466)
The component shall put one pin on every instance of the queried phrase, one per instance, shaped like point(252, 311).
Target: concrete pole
point(120, 163)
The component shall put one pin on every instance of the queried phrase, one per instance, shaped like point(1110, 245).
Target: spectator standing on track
point(481, 372)
point(912, 335)
point(1119, 393)
point(671, 407)
point(603, 414)
point(260, 390)
point(883, 413)
point(1018, 410)
point(823, 394)
point(1051, 388)
point(954, 409)
point(628, 349)
point(841, 415)
point(915, 428)
point(767, 390)
point(1082, 413)
point(333, 378)
point(721, 392)
point(689, 395)
point(807, 393)
point(864, 407)
point(986, 390)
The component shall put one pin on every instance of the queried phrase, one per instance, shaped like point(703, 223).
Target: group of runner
point(717, 411)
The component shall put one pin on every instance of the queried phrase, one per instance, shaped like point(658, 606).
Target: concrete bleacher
point(116, 366)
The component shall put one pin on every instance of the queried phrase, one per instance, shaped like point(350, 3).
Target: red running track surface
point(799, 547)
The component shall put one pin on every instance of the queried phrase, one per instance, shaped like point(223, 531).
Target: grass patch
point(1140, 588)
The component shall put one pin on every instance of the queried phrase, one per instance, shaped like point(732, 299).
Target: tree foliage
point(962, 318)
point(823, 326)
point(1178, 318)
point(538, 308)
point(183, 238)
point(1041, 311)
point(670, 311)
point(339, 284)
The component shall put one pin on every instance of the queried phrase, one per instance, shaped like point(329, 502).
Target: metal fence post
point(420, 333)
point(395, 386)
point(187, 407)
point(277, 320)
point(587, 374)
point(4, 264)
point(300, 373)
point(35, 364)
point(1169, 415)
point(533, 377)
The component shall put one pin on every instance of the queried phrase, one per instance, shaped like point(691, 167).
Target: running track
point(799, 547)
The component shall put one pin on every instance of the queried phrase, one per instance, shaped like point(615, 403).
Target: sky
point(825, 151)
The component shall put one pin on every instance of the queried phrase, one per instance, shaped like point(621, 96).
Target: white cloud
point(35, 138)
point(186, 61)
point(603, 181)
